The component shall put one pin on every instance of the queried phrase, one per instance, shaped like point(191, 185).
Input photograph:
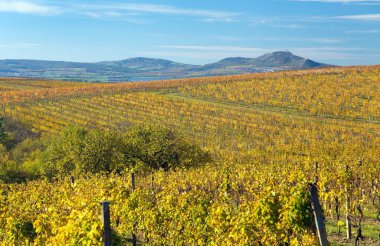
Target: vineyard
point(269, 136)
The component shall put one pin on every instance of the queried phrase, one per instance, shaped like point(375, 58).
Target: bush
point(9, 171)
point(28, 149)
point(161, 148)
point(79, 150)
point(15, 132)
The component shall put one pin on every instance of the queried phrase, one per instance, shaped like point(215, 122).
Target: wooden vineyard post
point(316, 172)
point(133, 184)
point(347, 206)
point(106, 219)
point(152, 181)
point(318, 216)
point(337, 213)
point(348, 220)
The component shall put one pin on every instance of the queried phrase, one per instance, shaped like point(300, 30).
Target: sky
point(341, 32)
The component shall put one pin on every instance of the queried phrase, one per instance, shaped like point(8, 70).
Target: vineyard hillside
point(260, 140)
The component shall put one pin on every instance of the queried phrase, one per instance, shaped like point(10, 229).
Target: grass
point(370, 231)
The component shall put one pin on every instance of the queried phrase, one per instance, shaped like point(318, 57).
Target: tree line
point(78, 150)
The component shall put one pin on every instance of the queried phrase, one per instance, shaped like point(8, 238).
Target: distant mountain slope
point(145, 63)
point(228, 62)
point(141, 68)
point(278, 59)
point(312, 64)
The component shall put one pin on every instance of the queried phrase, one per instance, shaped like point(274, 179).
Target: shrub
point(161, 148)
point(9, 171)
point(78, 150)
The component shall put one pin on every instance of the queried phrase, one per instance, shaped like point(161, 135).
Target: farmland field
point(269, 136)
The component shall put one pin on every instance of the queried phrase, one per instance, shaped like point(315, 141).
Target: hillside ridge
point(143, 68)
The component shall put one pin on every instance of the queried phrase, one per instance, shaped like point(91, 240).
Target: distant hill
point(144, 63)
point(141, 68)
point(279, 59)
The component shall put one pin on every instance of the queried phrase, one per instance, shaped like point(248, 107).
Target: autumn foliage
point(268, 135)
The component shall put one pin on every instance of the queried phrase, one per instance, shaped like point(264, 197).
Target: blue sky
point(343, 32)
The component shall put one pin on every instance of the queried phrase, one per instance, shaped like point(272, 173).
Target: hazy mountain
point(276, 59)
point(228, 62)
point(141, 68)
point(144, 63)
point(279, 58)
point(311, 64)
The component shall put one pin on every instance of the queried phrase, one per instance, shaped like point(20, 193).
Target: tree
point(62, 155)
point(161, 148)
point(79, 150)
point(102, 152)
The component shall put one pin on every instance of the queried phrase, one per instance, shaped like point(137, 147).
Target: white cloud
point(227, 38)
point(127, 8)
point(289, 26)
point(106, 14)
point(372, 31)
point(326, 40)
point(113, 10)
point(357, 2)
point(367, 17)
point(19, 45)
point(185, 54)
point(323, 54)
point(339, 1)
point(26, 7)
point(215, 48)
point(134, 18)
point(253, 49)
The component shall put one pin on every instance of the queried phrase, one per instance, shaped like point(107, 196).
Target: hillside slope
point(141, 68)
